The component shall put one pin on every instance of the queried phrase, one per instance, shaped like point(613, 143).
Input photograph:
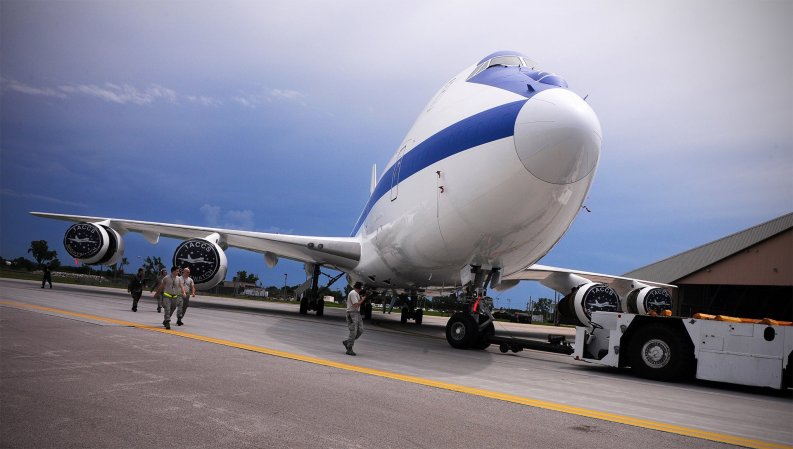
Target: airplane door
point(395, 173)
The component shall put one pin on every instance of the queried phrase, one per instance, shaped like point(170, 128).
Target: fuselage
point(492, 173)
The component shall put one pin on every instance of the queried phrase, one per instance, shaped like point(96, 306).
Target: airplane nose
point(557, 136)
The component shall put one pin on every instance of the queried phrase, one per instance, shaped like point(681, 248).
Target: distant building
point(747, 274)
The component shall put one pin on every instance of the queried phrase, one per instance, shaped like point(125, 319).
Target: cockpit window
point(504, 61)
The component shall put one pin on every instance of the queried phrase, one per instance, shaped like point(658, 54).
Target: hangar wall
point(747, 274)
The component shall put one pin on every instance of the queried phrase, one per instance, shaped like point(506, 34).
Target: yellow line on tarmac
point(611, 417)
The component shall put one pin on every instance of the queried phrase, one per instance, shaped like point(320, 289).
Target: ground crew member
point(157, 283)
point(172, 290)
point(47, 276)
point(354, 321)
point(135, 287)
point(189, 288)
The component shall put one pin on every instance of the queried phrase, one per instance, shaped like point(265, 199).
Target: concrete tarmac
point(79, 369)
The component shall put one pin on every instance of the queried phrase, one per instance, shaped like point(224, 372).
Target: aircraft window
point(529, 63)
point(478, 69)
point(506, 61)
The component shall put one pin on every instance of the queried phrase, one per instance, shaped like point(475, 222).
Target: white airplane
point(190, 261)
point(80, 240)
point(487, 180)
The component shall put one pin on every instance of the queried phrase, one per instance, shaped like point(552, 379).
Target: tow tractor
point(716, 348)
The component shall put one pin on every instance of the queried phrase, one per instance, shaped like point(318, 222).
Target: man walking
point(189, 289)
point(354, 321)
point(172, 290)
point(135, 287)
point(157, 283)
point(47, 276)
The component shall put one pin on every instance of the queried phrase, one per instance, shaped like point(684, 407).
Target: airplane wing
point(562, 279)
point(340, 252)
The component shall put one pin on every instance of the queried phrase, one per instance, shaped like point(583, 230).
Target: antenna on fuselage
point(586, 96)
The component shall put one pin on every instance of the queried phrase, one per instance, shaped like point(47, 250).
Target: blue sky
point(267, 116)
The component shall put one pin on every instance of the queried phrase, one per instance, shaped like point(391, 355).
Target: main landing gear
point(411, 309)
point(312, 299)
point(472, 325)
point(411, 306)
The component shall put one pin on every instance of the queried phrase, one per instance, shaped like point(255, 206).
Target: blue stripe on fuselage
point(481, 128)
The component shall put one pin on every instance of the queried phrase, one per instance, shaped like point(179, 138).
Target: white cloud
point(286, 94)
point(32, 196)
point(239, 219)
point(15, 86)
point(128, 94)
point(110, 92)
point(205, 100)
point(233, 219)
point(211, 214)
point(248, 102)
point(255, 100)
point(123, 94)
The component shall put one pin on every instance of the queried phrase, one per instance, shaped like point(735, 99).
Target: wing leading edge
point(340, 252)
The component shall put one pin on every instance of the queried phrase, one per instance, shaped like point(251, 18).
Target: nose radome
point(557, 136)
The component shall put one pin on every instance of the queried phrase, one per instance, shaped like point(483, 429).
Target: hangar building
point(747, 274)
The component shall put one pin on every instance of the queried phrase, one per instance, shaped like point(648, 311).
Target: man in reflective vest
point(172, 289)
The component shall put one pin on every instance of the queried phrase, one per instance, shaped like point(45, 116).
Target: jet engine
point(577, 307)
point(205, 259)
point(646, 299)
point(94, 243)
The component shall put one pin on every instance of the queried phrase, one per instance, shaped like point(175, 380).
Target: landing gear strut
point(312, 299)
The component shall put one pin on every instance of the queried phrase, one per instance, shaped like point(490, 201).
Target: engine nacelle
point(94, 244)
point(577, 307)
point(646, 299)
point(206, 260)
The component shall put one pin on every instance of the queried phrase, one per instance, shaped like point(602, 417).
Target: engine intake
point(206, 260)
point(646, 299)
point(577, 307)
point(94, 244)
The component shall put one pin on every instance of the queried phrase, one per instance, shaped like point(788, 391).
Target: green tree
point(41, 252)
point(543, 307)
point(242, 276)
point(22, 262)
point(152, 267)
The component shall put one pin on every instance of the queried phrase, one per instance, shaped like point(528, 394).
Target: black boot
point(167, 324)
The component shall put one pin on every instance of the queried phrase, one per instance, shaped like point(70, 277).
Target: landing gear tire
point(419, 314)
point(304, 306)
point(320, 307)
point(660, 353)
point(461, 331)
point(404, 317)
point(483, 342)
